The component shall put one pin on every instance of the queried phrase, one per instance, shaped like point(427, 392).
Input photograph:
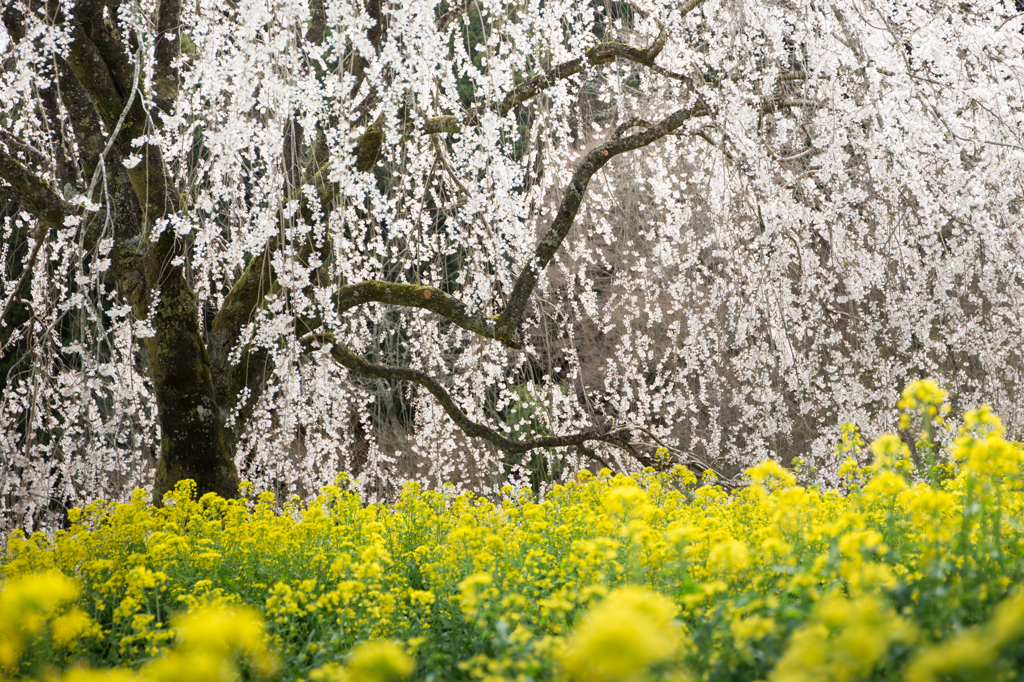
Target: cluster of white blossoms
point(839, 213)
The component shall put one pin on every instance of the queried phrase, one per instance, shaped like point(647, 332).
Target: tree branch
point(122, 205)
point(779, 104)
point(661, 71)
point(116, 54)
point(343, 356)
point(370, 142)
point(689, 461)
point(510, 317)
point(690, 6)
point(46, 204)
point(417, 296)
point(15, 146)
point(92, 72)
point(595, 56)
point(635, 122)
point(85, 120)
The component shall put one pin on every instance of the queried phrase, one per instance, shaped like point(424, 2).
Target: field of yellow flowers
point(910, 572)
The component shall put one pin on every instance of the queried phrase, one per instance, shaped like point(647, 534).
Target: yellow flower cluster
point(622, 637)
point(37, 607)
point(646, 577)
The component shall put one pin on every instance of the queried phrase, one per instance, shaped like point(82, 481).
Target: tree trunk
point(193, 443)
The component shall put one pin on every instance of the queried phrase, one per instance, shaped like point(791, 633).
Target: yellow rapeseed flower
point(379, 661)
point(842, 641)
point(622, 637)
point(771, 476)
point(26, 604)
point(215, 635)
point(728, 557)
point(472, 592)
point(976, 653)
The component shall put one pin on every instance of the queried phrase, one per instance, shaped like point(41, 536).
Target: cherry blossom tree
point(240, 236)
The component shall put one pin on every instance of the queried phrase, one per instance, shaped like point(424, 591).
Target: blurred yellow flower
point(26, 604)
point(728, 557)
point(620, 638)
point(843, 640)
point(379, 661)
point(974, 654)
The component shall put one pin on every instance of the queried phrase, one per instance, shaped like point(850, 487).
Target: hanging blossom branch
point(249, 290)
point(511, 317)
point(45, 203)
point(595, 56)
point(504, 327)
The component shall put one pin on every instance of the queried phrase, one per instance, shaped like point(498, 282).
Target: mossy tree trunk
point(99, 84)
point(193, 443)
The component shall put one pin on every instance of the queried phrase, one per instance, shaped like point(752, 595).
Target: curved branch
point(510, 317)
point(369, 143)
point(597, 55)
point(635, 122)
point(417, 296)
point(343, 356)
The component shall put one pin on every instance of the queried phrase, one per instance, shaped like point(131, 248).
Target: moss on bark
point(193, 444)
